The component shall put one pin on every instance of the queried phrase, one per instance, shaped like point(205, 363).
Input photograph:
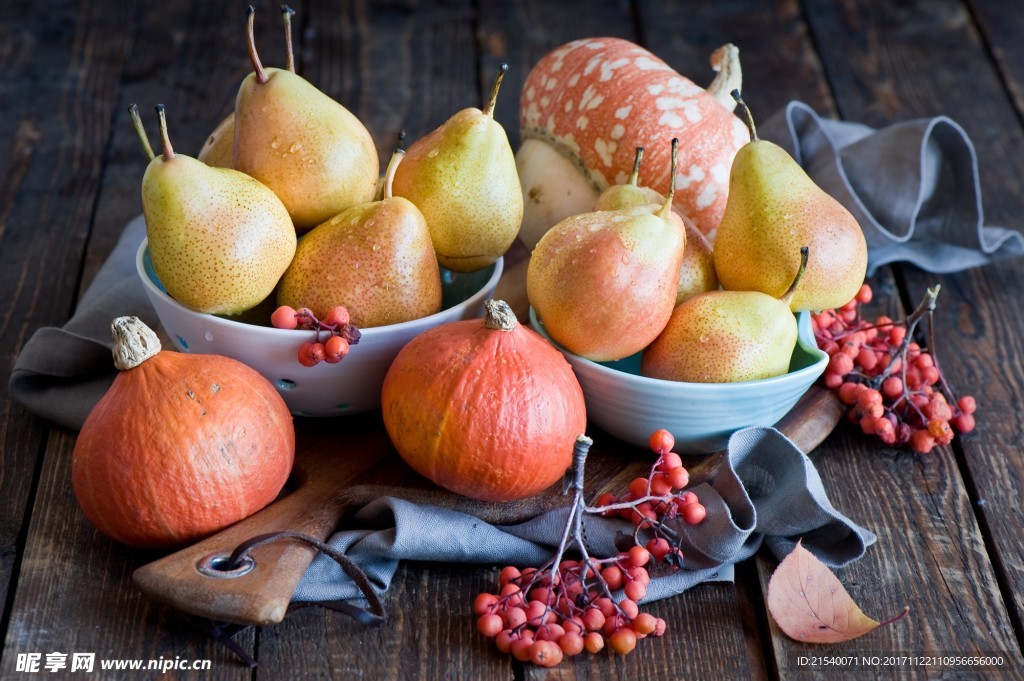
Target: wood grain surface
point(949, 523)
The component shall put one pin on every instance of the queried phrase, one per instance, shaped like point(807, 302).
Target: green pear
point(772, 209)
point(604, 283)
point(463, 177)
point(219, 146)
point(315, 154)
point(697, 272)
point(726, 337)
point(376, 259)
point(219, 239)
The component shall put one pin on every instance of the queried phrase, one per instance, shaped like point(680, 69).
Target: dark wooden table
point(949, 524)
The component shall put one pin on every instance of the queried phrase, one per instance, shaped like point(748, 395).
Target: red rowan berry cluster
point(894, 387)
point(341, 333)
point(542, 615)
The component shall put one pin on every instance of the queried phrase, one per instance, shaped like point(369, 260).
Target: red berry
point(629, 606)
point(635, 590)
point(545, 653)
point(849, 391)
point(921, 441)
point(964, 423)
point(840, 364)
point(612, 575)
point(335, 349)
point(660, 485)
point(864, 294)
point(485, 603)
point(622, 641)
point(967, 404)
point(693, 514)
point(659, 547)
point(645, 623)
point(892, 387)
point(662, 441)
point(639, 556)
point(284, 318)
point(337, 316)
point(593, 642)
point(593, 619)
point(490, 625)
point(678, 477)
point(310, 353)
point(669, 460)
point(507, 574)
point(571, 644)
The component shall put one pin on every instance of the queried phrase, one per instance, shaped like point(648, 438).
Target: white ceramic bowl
point(348, 387)
point(701, 416)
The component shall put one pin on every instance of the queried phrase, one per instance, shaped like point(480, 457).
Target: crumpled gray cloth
point(63, 371)
point(913, 187)
point(763, 491)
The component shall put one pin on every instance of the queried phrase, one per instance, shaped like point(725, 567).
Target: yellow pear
point(463, 177)
point(219, 239)
point(604, 283)
point(697, 272)
point(772, 209)
point(315, 154)
point(726, 337)
point(376, 259)
point(219, 146)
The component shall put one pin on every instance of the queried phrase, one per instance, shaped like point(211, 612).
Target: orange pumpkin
point(180, 446)
point(588, 104)
point(485, 408)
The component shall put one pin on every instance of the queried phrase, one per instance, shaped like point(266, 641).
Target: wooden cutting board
point(340, 470)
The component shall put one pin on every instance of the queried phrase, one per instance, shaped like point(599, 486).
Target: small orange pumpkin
point(180, 446)
point(485, 408)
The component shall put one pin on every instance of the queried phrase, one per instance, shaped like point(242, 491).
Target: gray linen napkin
point(765, 490)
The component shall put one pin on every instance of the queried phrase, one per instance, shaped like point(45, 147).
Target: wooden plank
point(1001, 25)
point(90, 604)
point(778, 61)
point(887, 65)
point(430, 633)
point(61, 66)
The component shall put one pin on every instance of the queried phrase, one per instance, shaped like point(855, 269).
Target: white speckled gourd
point(588, 104)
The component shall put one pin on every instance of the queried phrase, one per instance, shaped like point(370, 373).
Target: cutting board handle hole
point(218, 565)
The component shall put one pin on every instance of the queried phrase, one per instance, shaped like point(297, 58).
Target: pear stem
point(133, 111)
point(389, 174)
point(748, 117)
point(489, 109)
point(666, 209)
point(250, 40)
point(788, 295)
point(635, 175)
point(286, 17)
point(164, 137)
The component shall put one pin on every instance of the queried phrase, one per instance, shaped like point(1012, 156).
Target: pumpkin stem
point(498, 315)
point(134, 342)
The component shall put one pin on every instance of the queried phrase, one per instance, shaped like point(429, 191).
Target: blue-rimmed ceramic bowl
point(348, 387)
point(701, 416)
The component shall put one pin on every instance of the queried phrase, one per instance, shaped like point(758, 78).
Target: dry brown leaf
point(809, 603)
